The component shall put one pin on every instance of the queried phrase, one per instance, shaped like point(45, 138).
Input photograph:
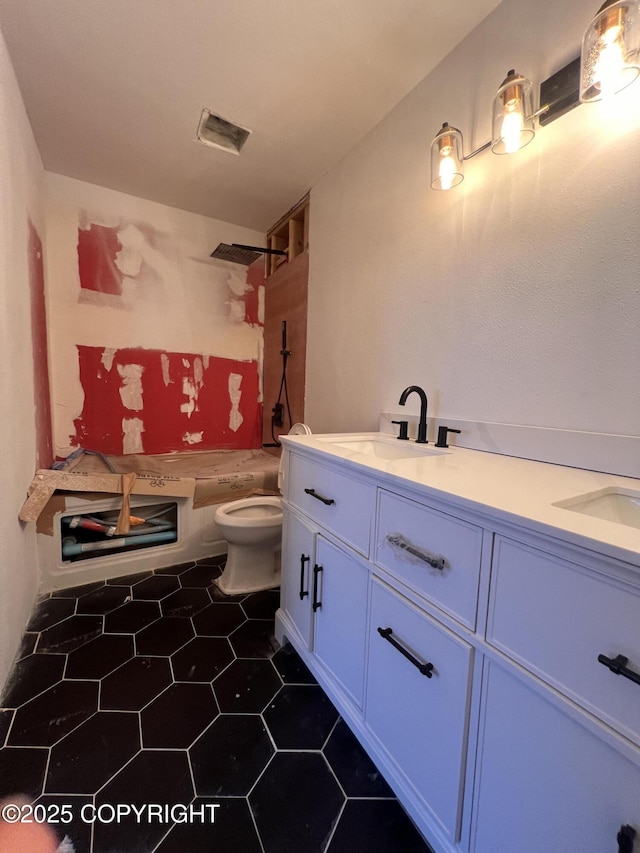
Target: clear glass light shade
point(513, 122)
point(610, 58)
point(447, 169)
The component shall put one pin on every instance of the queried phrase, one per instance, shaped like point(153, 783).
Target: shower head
point(236, 253)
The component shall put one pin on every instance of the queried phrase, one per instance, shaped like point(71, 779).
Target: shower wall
point(155, 346)
point(286, 300)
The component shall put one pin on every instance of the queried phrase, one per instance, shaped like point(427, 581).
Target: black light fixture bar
point(560, 93)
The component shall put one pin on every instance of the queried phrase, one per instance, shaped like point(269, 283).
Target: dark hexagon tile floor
point(185, 602)
point(131, 617)
point(156, 688)
point(6, 718)
point(99, 657)
point(202, 659)
point(292, 785)
point(300, 717)
point(178, 716)
point(231, 755)
point(33, 675)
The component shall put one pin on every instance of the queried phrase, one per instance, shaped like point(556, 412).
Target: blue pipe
point(73, 549)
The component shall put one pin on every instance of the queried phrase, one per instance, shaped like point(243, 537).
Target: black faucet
point(422, 426)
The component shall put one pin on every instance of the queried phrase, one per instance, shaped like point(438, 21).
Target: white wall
point(21, 176)
point(513, 298)
point(183, 305)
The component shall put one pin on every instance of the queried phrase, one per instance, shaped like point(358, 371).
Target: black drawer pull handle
point(625, 839)
point(316, 571)
point(303, 592)
point(434, 560)
point(424, 668)
point(314, 494)
point(618, 666)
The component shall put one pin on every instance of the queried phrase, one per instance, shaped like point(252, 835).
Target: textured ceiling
point(115, 88)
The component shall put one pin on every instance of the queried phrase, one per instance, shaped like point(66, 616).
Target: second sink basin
point(619, 505)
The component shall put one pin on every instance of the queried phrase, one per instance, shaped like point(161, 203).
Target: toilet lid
point(299, 429)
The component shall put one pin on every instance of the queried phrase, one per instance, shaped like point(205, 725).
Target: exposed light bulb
point(446, 158)
point(608, 71)
point(447, 169)
point(610, 58)
point(512, 125)
point(512, 115)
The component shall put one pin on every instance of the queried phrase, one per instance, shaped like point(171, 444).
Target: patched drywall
point(21, 314)
point(147, 331)
point(147, 401)
point(513, 298)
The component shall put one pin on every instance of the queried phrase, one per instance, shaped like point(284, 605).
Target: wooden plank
point(296, 245)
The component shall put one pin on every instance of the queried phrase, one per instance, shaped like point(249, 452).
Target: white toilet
point(253, 530)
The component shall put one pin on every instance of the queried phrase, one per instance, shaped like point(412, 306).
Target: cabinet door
point(420, 717)
point(298, 557)
point(546, 782)
point(340, 600)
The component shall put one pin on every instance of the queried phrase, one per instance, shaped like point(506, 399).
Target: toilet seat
point(259, 511)
point(253, 530)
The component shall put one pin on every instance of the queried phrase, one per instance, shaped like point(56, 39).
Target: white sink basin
point(612, 504)
point(383, 448)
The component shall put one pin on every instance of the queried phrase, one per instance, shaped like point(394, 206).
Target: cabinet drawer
point(350, 504)
point(556, 618)
point(435, 554)
point(420, 721)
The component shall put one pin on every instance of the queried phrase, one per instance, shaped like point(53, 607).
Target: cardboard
point(46, 482)
point(209, 477)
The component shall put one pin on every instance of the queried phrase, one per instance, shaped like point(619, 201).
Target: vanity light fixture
point(610, 50)
point(512, 129)
point(610, 61)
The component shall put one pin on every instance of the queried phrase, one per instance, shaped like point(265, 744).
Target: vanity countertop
point(519, 491)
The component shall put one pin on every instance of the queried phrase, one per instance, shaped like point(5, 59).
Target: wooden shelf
point(290, 234)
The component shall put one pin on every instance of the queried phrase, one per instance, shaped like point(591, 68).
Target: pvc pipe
point(73, 549)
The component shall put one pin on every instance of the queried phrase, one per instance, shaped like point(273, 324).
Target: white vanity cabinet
point(340, 602)
point(550, 776)
point(324, 594)
point(342, 504)
point(482, 663)
point(418, 680)
point(559, 617)
point(340, 585)
point(432, 552)
point(324, 584)
point(298, 560)
point(547, 780)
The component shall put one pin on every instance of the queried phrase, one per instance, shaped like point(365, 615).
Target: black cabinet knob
point(625, 839)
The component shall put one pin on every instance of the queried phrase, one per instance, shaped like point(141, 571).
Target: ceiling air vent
point(217, 132)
